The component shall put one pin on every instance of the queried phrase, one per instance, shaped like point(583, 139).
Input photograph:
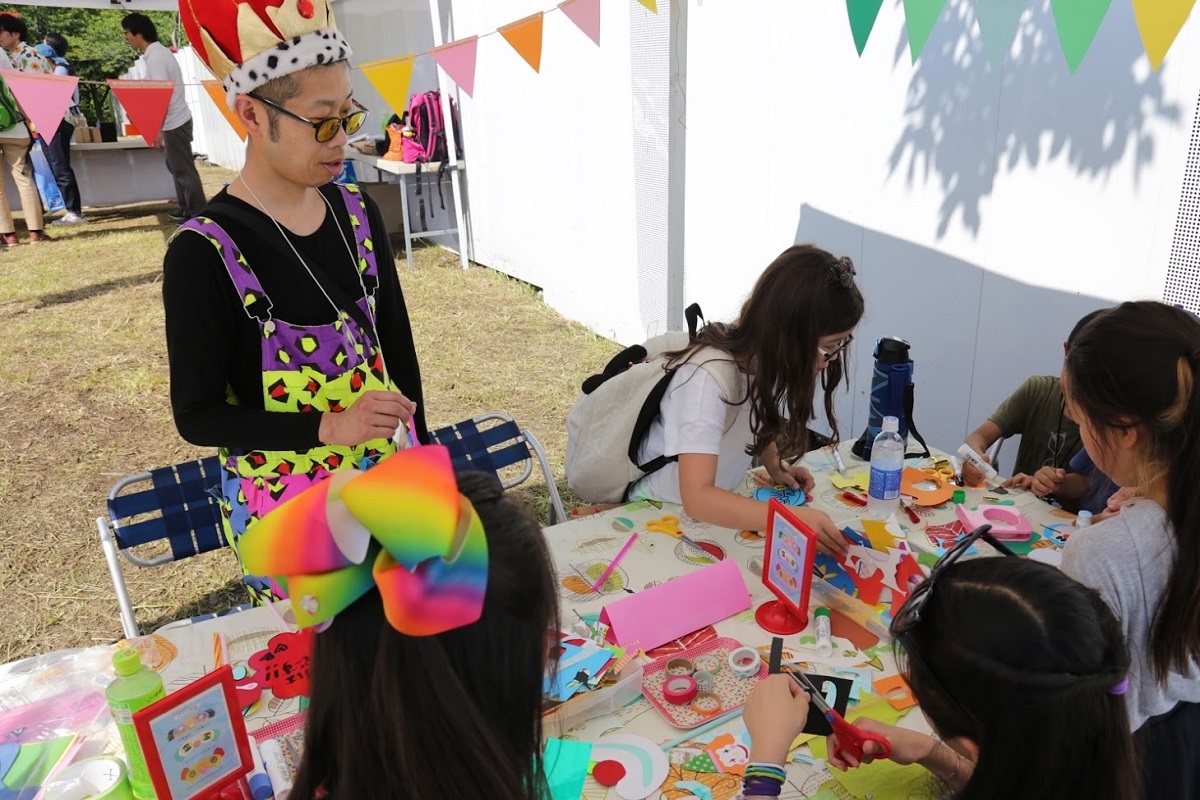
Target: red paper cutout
point(146, 103)
point(283, 666)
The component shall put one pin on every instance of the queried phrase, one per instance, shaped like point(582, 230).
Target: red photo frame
point(791, 549)
point(194, 739)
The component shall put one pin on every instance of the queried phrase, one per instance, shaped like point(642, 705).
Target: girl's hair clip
point(1121, 687)
point(841, 273)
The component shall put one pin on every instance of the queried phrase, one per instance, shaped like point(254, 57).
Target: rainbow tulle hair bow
point(401, 525)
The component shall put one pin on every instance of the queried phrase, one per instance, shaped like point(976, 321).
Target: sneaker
point(36, 237)
point(70, 218)
point(180, 216)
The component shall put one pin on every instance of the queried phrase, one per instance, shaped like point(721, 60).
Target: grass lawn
point(85, 401)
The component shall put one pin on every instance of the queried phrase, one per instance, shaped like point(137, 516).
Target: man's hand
point(971, 475)
point(1046, 480)
point(375, 415)
point(160, 143)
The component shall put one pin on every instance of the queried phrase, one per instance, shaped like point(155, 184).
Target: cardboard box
point(83, 136)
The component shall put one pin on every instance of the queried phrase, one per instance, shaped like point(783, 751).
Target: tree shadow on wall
point(966, 121)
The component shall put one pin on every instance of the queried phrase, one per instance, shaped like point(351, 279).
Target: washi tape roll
point(707, 704)
point(707, 662)
point(680, 666)
point(101, 778)
point(680, 689)
point(704, 680)
point(745, 662)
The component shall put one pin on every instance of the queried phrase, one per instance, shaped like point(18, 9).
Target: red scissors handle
point(852, 739)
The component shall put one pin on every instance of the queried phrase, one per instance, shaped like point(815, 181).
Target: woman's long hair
point(806, 293)
point(452, 715)
point(1021, 659)
point(1134, 366)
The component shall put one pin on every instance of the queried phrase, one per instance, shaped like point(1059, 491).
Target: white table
point(113, 173)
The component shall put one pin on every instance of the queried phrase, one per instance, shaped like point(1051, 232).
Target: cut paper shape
point(525, 36)
point(926, 487)
point(146, 104)
point(391, 77)
point(566, 764)
point(836, 691)
point(651, 5)
point(789, 497)
point(1159, 22)
point(457, 60)
point(699, 790)
point(846, 628)
point(217, 95)
point(44, 97)
point(586, 16)
point(863, 14)
point(883, 534)
point(646, 765)
point(998, 21)
point(859, 480)
point(729, 753)
point(919, 18)
point(1047, 555)
point(895, 690)
point(1078, 22)
point(283, 666)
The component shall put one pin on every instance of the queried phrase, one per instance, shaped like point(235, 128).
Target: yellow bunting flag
point(213, 87)
point(391, 78)
point(1159, 22)
point(525, 36)
point(651, 5)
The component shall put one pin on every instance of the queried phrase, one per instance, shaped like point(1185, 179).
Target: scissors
point(850, 739)
point(670, 526)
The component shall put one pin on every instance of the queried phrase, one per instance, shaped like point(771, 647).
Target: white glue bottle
point(824, 632)
point(1084, 519)
point(887, 462)
point(968, 455)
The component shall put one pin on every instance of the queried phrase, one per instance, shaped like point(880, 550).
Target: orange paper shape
point(912, 483)
point(585, 14)
point(458, 60)
point(218, 97)
point(895, 690)
point(146, 104)
point(391, 77)
point(525, 36)
point(44, 97)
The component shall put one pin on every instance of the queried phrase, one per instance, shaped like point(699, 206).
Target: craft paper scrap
point(859, 480)
point(566, 767)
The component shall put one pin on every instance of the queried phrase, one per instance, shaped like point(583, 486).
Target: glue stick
point(824, 633)
point(990, 476)
point(277, 768)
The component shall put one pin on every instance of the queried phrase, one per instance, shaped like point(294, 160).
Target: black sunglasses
point(324, 129)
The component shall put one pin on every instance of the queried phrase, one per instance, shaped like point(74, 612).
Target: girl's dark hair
point(58, 42)
point(452, 715)
point(1020, 658)
point(1134, 367)
point(805, 293)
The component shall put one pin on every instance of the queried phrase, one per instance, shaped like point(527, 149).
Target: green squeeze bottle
point(135, 688)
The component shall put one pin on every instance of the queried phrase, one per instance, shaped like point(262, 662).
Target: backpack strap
point(909, 400)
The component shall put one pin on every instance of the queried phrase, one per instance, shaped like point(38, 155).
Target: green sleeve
point(1013, 414)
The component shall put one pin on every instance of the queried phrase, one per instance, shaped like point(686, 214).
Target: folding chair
point(494, 447)
point(993, 453)
point(173, 506)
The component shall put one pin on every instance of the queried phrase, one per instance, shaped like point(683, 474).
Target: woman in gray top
point(1130, 381)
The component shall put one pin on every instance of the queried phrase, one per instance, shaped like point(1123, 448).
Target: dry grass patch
point(85, 400)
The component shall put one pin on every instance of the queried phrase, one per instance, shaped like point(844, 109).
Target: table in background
point(113, 173)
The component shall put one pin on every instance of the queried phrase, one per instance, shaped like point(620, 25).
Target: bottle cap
point(891, 425)
point(1084, 517)
point(821, 611)
point(127, 661)
point(959, 497)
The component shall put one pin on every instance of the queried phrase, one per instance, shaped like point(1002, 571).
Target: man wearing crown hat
point(288, 338)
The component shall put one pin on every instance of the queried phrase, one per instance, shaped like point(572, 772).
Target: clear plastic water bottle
point(887, 462)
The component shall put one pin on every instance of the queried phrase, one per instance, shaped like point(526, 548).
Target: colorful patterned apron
point(305, 369)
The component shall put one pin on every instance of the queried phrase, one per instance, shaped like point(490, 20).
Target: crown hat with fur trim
point(247, 43)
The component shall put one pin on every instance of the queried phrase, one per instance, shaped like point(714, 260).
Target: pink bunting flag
point(45, 98)
point(585, 14)
point(458, 60)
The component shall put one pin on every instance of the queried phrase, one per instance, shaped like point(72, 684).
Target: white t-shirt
point(693, 421)
point(162, 66)
point(17, 132)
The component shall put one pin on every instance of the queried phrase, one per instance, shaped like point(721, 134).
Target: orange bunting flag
point(213, 87)
point(458, 60)
point(1159, 22)
point(585, 14)
point(525, 36)
point(651, 5)
point(146, 104)
point(45, 98)
point(391, 77)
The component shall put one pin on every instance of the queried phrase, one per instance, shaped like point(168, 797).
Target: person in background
point(15, 143)
point(175, 138)
point(58, 151)
point(14, 35)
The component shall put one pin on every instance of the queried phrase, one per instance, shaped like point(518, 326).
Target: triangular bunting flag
point(862, 15)
point(586, 15)
point(651, 5)
point(1159, 22)
point(525, 36)
point(998, 20)
point(44, 97)
point(919, 18)
point(1078, 21)
point(146, 104)
point(458, 60)
point(218, 97)
point(391, 77)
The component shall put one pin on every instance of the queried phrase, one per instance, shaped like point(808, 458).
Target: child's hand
point(793, 477)
point(1019, 481)
point(1046, 480)
point(775, 715)
point(829, 537)
point(908, 746)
